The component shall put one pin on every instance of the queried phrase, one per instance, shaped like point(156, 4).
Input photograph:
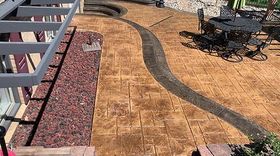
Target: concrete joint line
point(161, 21)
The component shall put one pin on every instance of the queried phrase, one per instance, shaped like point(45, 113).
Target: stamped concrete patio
point(135, 115)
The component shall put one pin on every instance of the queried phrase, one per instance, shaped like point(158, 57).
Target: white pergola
point(15, 17)
point(18, 9)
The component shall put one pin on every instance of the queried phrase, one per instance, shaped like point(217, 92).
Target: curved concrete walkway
point(250, 87)
point(133, 113)
point(155, 61)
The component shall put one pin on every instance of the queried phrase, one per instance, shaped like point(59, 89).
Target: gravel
point(68, 111)
point(211, 7)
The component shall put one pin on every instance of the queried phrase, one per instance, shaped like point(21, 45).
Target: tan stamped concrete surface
point(135, 115)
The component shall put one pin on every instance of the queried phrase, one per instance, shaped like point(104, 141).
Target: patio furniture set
point(233, 37)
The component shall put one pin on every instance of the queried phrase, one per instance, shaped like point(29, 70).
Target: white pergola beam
point(9, 6)
point(44, 2)
point(7, 48)
point(27, 26)
point(41, 11)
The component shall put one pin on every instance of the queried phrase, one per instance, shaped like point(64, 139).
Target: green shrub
point(269, 146)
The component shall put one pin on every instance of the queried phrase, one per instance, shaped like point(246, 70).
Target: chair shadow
point(190, 36)
point(46, 97)
point(197, 42)
point(188, 45)
point(187, 34)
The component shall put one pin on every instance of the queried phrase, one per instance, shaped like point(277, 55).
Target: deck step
point(62, 151)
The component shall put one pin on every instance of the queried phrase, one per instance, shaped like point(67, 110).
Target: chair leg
point(256, 34)
point(210, 48)
point(257, 55)
point(232, 56)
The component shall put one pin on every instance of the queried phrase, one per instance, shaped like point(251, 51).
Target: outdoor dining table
point(228, 24)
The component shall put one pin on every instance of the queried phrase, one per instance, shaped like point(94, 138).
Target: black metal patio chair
point(208, 33)
point(225, 11)
point(261, 45)
point(236, 41)
point(200, 15)
point(205, 27)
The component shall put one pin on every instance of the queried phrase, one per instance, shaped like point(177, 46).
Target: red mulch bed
point(60, 113)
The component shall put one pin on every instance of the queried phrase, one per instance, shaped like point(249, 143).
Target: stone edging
point(155, 61)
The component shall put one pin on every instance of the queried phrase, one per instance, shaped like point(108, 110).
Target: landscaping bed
point(61, 110)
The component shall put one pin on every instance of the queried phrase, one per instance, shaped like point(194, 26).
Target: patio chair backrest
point(239, 36)
point(208, 28)
point(225, 11)
point(275, 32)
point(200, 14)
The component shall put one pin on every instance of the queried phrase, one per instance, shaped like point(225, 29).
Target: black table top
point(228, 24)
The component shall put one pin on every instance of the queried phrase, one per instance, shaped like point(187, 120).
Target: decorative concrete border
point(155, 61)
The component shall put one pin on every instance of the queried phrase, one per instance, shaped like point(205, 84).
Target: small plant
point(269, 146)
